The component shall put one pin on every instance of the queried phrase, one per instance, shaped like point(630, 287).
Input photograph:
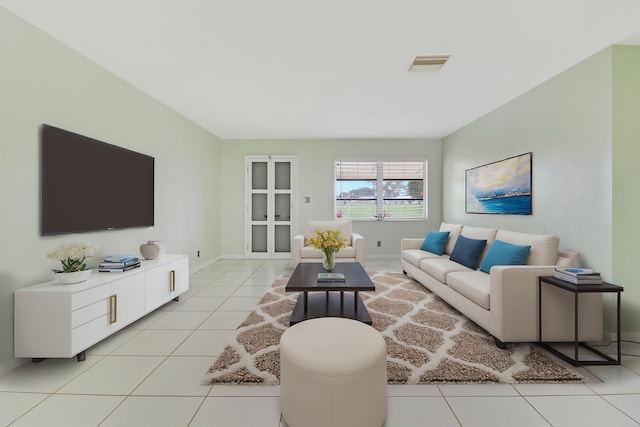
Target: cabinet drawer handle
point(113, 309)
point(172, 280)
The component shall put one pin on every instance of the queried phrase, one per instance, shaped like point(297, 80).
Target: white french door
point(269, 205)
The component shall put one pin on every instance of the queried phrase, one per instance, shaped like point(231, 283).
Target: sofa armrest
point(412, 243)
point(357, 241)
point(514, 301)
point(296, 249)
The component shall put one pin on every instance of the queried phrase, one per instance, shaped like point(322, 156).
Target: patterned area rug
point(428, 341)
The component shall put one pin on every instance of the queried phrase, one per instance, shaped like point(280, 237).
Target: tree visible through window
point(380, 189)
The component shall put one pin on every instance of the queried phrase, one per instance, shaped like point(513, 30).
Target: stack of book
point(578, 276)
point(118, 263)
point(330, 277)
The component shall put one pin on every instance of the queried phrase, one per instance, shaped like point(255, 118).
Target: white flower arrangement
point(72, 256)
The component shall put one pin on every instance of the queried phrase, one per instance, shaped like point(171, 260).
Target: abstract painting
point(502, 187)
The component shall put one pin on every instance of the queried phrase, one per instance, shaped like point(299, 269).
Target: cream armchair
point(301, 252)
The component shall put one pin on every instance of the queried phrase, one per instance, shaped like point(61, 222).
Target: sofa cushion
point(414, 256)
point(454, 231)
point(468, 251)
point(343, 226)
point(501, 253)
point(440, 267)
point(435, 242)
point(544, 248)
point(488, 234)
point(474, 285)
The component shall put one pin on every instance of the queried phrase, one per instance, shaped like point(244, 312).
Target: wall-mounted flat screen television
point(89, 185)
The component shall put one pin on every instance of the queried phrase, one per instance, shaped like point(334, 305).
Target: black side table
point(604, 287)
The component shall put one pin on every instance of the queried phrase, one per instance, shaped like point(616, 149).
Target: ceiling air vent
point(428, 63)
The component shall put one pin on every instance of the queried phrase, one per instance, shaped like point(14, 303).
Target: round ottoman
point(333, 372)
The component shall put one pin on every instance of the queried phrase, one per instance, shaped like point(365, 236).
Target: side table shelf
point(604, 287)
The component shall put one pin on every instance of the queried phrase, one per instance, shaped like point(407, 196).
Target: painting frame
point(503, 187)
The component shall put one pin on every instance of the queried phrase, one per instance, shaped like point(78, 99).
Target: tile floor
point(152, 373)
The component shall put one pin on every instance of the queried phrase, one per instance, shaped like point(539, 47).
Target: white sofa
point(302, 252)
point(505, 301)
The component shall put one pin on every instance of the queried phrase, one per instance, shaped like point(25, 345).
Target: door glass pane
point(259, 175)
point(283, 175)
point(259, 238)
point(283, 204)
point(258, 207)
point(283, 238)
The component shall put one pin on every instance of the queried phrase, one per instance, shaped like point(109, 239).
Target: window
point(380, 189)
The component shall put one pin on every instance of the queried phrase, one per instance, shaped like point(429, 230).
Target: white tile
point(418, 411)
point(178, 376)
point(259, 281)
point(152, 342)
point(225, 320)
point(111, 343)
point(251, 291)
point(12, 405)
point(46, 376)
point(154, 411)
point(117, 375)
point(627, 403)
point(616, 380)
point(477, 390)
point(216, 291)
point(69, 411)
point(239, 303)
point(579, 411)
point(181, 320)
point(238, 412)
point(553, 389)
point(147, 320)
point(633, 364)
point(228, 281)
point(245, 390)
point(204, 343)
point(411, 390)
point(495, 412)
point(201, 281)
point(197, 303)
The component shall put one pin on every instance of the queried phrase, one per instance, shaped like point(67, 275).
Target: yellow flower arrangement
point(329, 242)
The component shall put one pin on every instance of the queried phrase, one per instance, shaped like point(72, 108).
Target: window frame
point(379, 199)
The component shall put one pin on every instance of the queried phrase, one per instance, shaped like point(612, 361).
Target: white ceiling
point(334, 68)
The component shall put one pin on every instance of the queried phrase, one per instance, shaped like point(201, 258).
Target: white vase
point(149, 250)
point(73, 277)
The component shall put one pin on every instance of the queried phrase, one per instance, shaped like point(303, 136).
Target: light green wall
point(42, 81)
point(585, 150)
point(626, 193)
point(315, 179)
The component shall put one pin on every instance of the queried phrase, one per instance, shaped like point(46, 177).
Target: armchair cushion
point(343, 226)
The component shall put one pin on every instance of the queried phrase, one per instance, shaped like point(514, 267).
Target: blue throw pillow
point(435, 242)
point(468, 251)
point(501, 253)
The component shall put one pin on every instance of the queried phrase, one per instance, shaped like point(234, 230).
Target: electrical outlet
point(198, 253)
point(379, 243)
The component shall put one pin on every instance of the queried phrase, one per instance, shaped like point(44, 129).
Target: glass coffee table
point(329, 299)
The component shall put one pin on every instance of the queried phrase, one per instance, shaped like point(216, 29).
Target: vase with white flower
point(72, 256)
point(329, 242)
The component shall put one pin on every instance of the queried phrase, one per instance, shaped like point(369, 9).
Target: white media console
point(56, 320)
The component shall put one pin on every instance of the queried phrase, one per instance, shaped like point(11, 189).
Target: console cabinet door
point(126, 301)
point(164, 283)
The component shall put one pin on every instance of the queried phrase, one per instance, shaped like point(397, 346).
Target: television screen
point(89, 185)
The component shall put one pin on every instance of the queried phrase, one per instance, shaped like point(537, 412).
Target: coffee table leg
point(306, 303)
point(355, 302)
